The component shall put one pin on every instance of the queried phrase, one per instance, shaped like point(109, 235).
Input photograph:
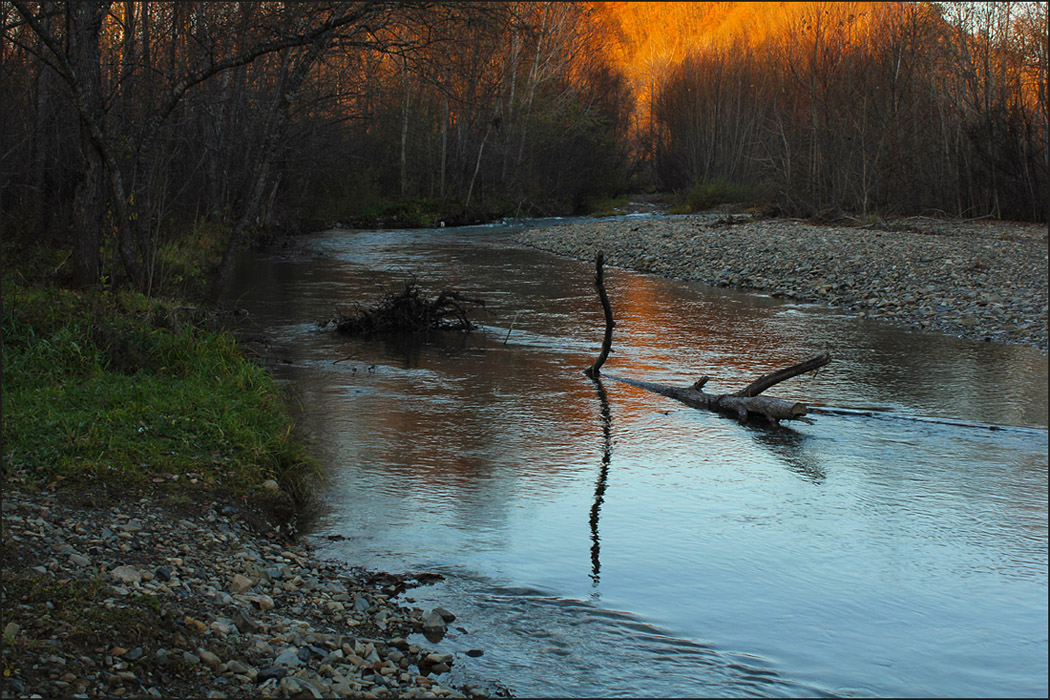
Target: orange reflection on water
point(660, 332)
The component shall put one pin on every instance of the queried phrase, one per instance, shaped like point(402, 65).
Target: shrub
point(708, 193)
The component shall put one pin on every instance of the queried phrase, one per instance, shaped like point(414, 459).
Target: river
point(599, 540)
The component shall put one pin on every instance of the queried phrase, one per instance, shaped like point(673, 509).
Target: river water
point(599, 540)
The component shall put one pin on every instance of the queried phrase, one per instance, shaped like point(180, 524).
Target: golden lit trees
point(855, 108)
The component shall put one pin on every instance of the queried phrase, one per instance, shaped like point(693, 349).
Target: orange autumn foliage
point(650, 38)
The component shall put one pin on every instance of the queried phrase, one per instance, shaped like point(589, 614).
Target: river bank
point(134, 597)
point(985, 280)
point(150, 482)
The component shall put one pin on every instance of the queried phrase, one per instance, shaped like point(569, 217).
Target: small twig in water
point(513, 321)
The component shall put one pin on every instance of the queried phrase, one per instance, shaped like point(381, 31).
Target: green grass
point(407, 213)
point(183, 263)
point(706, 194)
point(119, 388)
point(613, 206)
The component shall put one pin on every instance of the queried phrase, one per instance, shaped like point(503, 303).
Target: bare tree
point(76, 56)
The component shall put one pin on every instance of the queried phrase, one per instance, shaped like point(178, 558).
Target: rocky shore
point(135, 598)
point(984, 280)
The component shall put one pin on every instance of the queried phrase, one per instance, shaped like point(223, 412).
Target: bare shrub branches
point(410, 310)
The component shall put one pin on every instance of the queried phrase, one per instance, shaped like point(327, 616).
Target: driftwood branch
point(742, 404)
point(767, 380)
point(599, 282)
point(742, 407)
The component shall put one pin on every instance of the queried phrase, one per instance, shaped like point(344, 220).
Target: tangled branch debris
point(411, 310)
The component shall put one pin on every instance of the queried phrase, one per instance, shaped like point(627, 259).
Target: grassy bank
point(114, 390)
point(139, 556)
point(706, 194)
point(113, 398)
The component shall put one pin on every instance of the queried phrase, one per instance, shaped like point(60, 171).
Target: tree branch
point(767, 380)
point(599, 282)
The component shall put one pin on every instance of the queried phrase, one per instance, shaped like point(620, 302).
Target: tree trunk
point(444, 146)
point(742, 407)
point(404, 128)
point(293, 75)
point(85, 24)
point(87, 216)
point(477, 167)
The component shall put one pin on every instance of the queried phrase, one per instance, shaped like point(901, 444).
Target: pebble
point(288, 657)
point(272, 672)
point(245, 623)
point(434, 627)
point(126, 574)
point(445, 614)
point(984, 280)
point(241, 583)
point(210, 660)
point(80, 560)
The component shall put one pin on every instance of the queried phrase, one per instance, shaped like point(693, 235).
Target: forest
point(145, 143)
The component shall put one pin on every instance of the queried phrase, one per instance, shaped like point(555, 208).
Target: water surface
point(600, 540)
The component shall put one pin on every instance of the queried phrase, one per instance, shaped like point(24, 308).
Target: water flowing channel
point(599, 540)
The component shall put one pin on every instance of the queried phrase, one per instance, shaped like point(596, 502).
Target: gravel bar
point(209, 607)
point(985, 280)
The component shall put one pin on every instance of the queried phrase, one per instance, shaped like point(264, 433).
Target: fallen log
point(743, 404)
point(742, 407)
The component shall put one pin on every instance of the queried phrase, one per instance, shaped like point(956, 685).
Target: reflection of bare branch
point(603, 475)
point(788, 445)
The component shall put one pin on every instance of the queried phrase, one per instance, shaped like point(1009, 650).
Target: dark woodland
point(144, 143)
